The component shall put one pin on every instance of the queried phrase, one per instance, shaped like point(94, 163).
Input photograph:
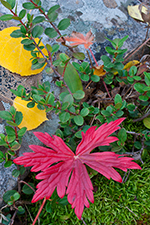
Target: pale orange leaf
point(79, 39)
point(99, 71)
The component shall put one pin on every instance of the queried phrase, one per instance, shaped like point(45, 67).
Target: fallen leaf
point(131, 63)
point(135, 13)
point(141, 69)
point(13, 56)
point(99, 71)
point(32, 117)
point(145, 16)
point(79, 39)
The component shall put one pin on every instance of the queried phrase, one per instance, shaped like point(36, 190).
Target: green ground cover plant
point(94, 100)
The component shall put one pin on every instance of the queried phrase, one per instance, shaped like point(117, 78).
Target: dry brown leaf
point(135, 13)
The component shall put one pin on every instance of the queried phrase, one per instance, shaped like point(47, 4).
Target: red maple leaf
point(62, 169)
point(79, 39)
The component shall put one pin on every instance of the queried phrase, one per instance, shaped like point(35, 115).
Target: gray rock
point(7, 181)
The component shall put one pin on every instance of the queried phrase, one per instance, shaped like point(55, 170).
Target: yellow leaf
point(13, 56)
point(131, 63)
point(32, 117)
point(99, 71)
point(134, 12)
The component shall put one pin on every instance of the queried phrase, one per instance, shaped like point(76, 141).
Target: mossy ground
point(115, 203)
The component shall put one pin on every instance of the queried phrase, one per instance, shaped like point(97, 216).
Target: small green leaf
point(28, 5)
point(78, 55)
point(6, 4)
point(79, 94)
point(5, 115)
point(21, 209)
point(8, 164)
point(147, 78)
point(37, 31)
point(118, 99)
point(64, 117)
point(15, 173)
point(10, 131)
point(12, 110)
point(63, 24)
point(84, 112)
point(55, 48)
point(51, 99)
point(26, 42)
point(15, 147)
point(31, 104)
point(37, 66)
point(85, 77)
point(121, 41)
point(65, 105)
point(53, 9)
point(68, 98)
point(18, 117)
point(29, 47)
point(6, 17)
point(146, 122)
point(8, 194)
point(27, 190)
point(95, 78)
point(143, 98)
point(16, 196)
point(122, 135)
point(1, 154)
point(50, 32)
point(133, 70)
point(52, 16)
point(105, 113)
point(38, 19)
point(139, 87)
point(17, 34)
point(78, 120)
point(107, 61)
point(22, 13)
point(11, 138)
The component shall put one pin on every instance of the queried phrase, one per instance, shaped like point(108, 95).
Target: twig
point(101, 78)
point(141, 118)
point(21, 181)
point(12, 219)
point(123, 181)
point(83, 221)
point(131, 211)
point(126, 59)
point(29, 213)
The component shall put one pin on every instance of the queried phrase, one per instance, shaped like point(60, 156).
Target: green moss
point(115, 203)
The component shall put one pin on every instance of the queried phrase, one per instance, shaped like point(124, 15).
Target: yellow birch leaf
point(134, 12)
point(98, 71)
point(131, 63)
point(13, 56)
point(32, 117)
